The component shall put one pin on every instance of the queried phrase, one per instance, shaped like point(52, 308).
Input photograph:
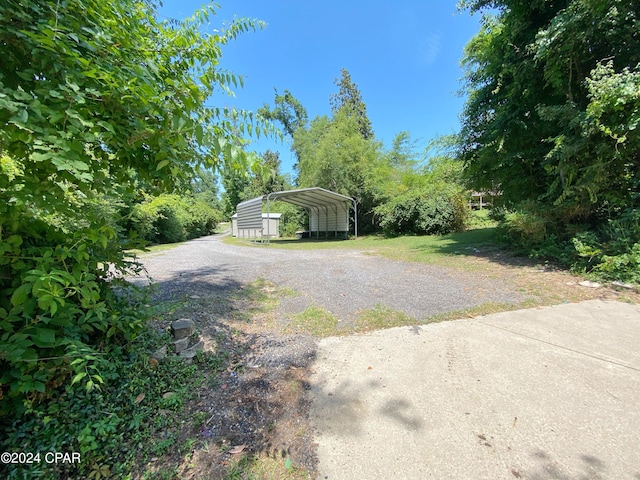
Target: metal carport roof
point(317, 201)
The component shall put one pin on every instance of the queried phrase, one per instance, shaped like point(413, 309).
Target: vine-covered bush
point(605, 250)
point(96, 100)
point(109, 427)
point(173, 218)
point(435, 210)
point(61, 299)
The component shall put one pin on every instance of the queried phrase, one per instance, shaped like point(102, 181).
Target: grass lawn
point(432, 249)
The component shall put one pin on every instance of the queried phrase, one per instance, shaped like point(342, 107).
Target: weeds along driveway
point(342, 282)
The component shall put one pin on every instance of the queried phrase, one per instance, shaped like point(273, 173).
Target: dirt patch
point(250, 420)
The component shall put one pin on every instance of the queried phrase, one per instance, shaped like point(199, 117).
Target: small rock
point(194, 297)
point(192, 351)
point(628, 286)
point(589, 284)
point(160, 354)
point(183, 328)
point(181, 344)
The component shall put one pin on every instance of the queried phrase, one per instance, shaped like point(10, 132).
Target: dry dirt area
point(253, 417)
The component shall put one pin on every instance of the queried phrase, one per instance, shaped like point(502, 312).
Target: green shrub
point(612, 252)
point(110, 427)
point(173, 218)
point(435, 211)
point(608, 252)
point(142, 220)
point(525, 229)
point(61, 306)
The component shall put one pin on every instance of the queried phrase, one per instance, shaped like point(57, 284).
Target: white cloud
point(430, 47)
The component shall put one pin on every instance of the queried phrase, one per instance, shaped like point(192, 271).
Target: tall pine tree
point(349, 100)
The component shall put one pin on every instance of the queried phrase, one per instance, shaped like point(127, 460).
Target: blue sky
point(403, 55)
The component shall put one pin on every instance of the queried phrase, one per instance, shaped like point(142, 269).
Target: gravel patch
point(342, 282)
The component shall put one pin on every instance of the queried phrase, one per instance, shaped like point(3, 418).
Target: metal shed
point(270, 223)
point(328, 211)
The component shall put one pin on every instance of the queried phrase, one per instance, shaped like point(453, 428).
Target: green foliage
point(293, 217)
point(241, 186)
point(96, 99)
point(526, 228)
point(613, 252)
point(110, 427)
point(349, 101)
point(570, 139)
point(426, 201)
point(334, 155)
point(57, 302)
point(288, 110)
point(551, 121)
point(171, 218)
point(436, 210)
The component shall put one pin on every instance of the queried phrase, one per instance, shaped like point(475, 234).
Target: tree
point(529, 125)
point(241, 186)
point(402, 155)
point(288, 110)
point(349, 100)
point(551, 120)
point(425, 199)
point(95, 97)
point(335, 156)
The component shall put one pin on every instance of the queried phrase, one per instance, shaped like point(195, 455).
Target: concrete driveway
point(547, 393)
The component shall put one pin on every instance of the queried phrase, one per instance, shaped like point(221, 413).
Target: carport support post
point(326, 222)
point(268, 220)
point(355, 218)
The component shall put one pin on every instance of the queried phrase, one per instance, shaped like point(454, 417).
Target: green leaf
point(162, 164)
point(44, 337)
point(78, 377)
point(20, 294)
point(22, 117)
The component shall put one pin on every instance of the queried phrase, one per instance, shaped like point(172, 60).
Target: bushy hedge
point(173, 218)
point(611, 252)
point(434, 210)
point(607, 250)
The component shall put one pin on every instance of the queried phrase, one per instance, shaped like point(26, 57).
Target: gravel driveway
point(258, 407)
point(344, 282)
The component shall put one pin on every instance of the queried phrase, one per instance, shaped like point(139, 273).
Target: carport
point(328, 211)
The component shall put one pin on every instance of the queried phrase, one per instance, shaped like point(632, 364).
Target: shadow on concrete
point(591, 468)
point(344, 408)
